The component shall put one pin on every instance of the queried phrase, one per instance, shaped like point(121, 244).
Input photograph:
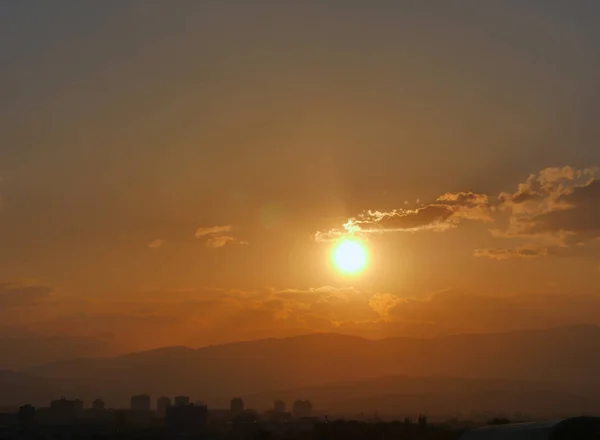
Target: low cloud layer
point(197, 317)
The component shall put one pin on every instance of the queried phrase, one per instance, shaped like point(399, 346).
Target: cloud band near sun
point(557, 207)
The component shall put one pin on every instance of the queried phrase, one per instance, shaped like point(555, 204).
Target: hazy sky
point(174, 172)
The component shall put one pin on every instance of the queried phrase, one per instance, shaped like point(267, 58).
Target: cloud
point(449, 210)
point(217, 237)
point(556, 207)
point(559, 206)
point(464, 198)
point(156, 243)
point(217, 241)
point(382, 303)
point(431, 217)
point(528, 251)
point(213, 230)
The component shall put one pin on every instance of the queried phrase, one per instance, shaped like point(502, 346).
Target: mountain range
point(547, 370)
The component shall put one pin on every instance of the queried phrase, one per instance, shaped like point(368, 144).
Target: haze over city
point(390, 195)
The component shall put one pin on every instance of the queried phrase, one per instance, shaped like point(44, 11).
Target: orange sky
point(180, 176)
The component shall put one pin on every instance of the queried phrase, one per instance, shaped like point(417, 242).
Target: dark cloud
point(565, 214)
point(428, 217)
point(520, 197)
point(556, 208)
point(578, 218)
point(448, 211)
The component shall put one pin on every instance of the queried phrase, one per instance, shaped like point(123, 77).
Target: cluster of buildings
point(176, 415)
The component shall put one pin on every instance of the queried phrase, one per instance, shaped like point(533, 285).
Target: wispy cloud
point(447, 212)
point(217, 241)
point(218, 236)
point(155, 244)
point(527, 251)
point(213, 230)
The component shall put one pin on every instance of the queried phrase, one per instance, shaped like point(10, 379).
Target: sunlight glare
point(350, 256)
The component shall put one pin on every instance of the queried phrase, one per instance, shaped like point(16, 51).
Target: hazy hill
point(435, 395)
point(568, 354)
point(23, 350)
point(18, 388)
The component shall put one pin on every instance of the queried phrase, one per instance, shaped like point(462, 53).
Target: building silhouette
point(141, 402)
point(98, 405)
point(26, 415)
point(237, 406)
point(182, 400)
point(66, 405)
point(186, 419)
point(64, 410)
point(279, 406)
point(302, 408)
point(162, 404)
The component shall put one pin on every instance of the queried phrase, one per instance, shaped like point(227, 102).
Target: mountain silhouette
point(566, 357)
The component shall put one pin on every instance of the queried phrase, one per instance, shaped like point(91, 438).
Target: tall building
point(141, 402)
point(98, 405)
point(237, 406)
point(279, 406)
point(182, 400)
point(162, 404)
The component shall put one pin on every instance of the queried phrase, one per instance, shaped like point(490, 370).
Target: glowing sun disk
point(350, 256)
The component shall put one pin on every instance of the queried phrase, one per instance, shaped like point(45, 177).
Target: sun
point(350, 256)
